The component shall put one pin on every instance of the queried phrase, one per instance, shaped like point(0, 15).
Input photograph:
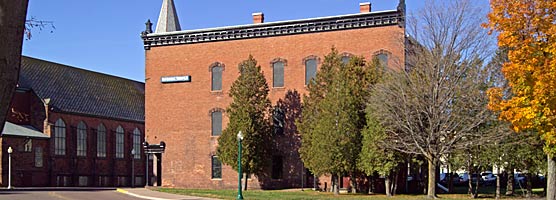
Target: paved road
point(65, 195)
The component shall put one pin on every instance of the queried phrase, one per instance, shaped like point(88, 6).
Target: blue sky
point(103, 35)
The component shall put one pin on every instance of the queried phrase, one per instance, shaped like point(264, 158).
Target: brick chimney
point(258, 18)
point(365, 7)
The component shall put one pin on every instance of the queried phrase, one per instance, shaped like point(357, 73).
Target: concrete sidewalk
point(145, 193)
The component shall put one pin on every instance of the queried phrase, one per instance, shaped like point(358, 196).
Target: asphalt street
point(65, 195)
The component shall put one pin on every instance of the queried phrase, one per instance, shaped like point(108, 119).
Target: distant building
point(189, 74)
point(72, 127)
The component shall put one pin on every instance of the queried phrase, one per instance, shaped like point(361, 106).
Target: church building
point(189, 73)
point(70, 127)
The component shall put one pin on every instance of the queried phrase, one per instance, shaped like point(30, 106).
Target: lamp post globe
point(10, 151)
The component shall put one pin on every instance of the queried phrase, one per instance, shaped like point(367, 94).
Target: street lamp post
point(145, 146)
point(239, 139)
point(132, 168)
point(10, 150)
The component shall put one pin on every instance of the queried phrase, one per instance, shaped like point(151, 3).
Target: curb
point(56, 189)
point(120, 190)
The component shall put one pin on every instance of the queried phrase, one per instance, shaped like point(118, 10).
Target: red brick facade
point(34, 161)
point(179, 113)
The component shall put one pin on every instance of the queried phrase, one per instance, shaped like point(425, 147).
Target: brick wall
point(179, 113)
point(71, 166)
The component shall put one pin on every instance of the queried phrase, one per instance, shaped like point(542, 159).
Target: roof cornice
point(272, 29)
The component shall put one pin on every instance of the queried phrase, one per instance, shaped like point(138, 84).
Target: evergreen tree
point(333, 117)
point(374, 156)
point(248, 112)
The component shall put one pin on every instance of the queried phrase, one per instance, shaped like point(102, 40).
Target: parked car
point(475, 177)
point(488, 177)
point(519, 178)
point(456, 180)
point(464, 177)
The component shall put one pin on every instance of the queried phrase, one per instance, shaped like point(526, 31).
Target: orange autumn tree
point(527, 28)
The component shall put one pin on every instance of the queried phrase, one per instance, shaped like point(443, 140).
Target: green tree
point(249, 112)
point(333, 117)
point(313, 152)
point(374, 156)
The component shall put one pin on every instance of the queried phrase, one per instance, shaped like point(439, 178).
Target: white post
point(10, 150)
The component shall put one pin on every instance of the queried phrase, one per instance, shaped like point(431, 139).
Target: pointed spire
point(168, 19)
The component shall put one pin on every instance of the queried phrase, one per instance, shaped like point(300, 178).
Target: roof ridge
point(77, 68)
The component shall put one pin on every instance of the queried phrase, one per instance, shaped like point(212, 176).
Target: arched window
point(216, 122)
point(345, 59)
point(60, 137)
point(216, 70)
point(119, 142)
point(81, 139)
point(310, 69)
point(137, 143)
point(101, 141)
point(383, 57)
point(278, 72)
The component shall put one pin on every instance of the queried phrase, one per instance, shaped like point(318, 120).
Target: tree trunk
point(372, 185)
point(12, 24)
point(337, 185)
point(498, 185)
point(431, 188)
point(478, 179)
point(353, 183)
point(510, 186)
point(529, 185)
point(469, 181)
point(395, 183)
point(245, 185)
point(551, 179)
point(387, 185)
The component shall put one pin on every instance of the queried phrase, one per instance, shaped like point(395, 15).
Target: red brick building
point(189, 74)
point(72, 127)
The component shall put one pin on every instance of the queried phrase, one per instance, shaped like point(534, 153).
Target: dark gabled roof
point(80, 91)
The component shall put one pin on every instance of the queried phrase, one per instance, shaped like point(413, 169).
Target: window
point(137, 143)
point(60, 137)
point(28, 146)
point(345, 59)
point(83, 181)
point(38, 157)
point(278, 120)
point(278, 74)
point(277, 167)
point(216, 71)
point(216, 168)
point(81, 139)
point(310, 70)
point(216, 121)
point(101, 141)
point(383, 59)
point(119, 142)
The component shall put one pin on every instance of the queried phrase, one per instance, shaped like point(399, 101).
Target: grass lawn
point(296, 194)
